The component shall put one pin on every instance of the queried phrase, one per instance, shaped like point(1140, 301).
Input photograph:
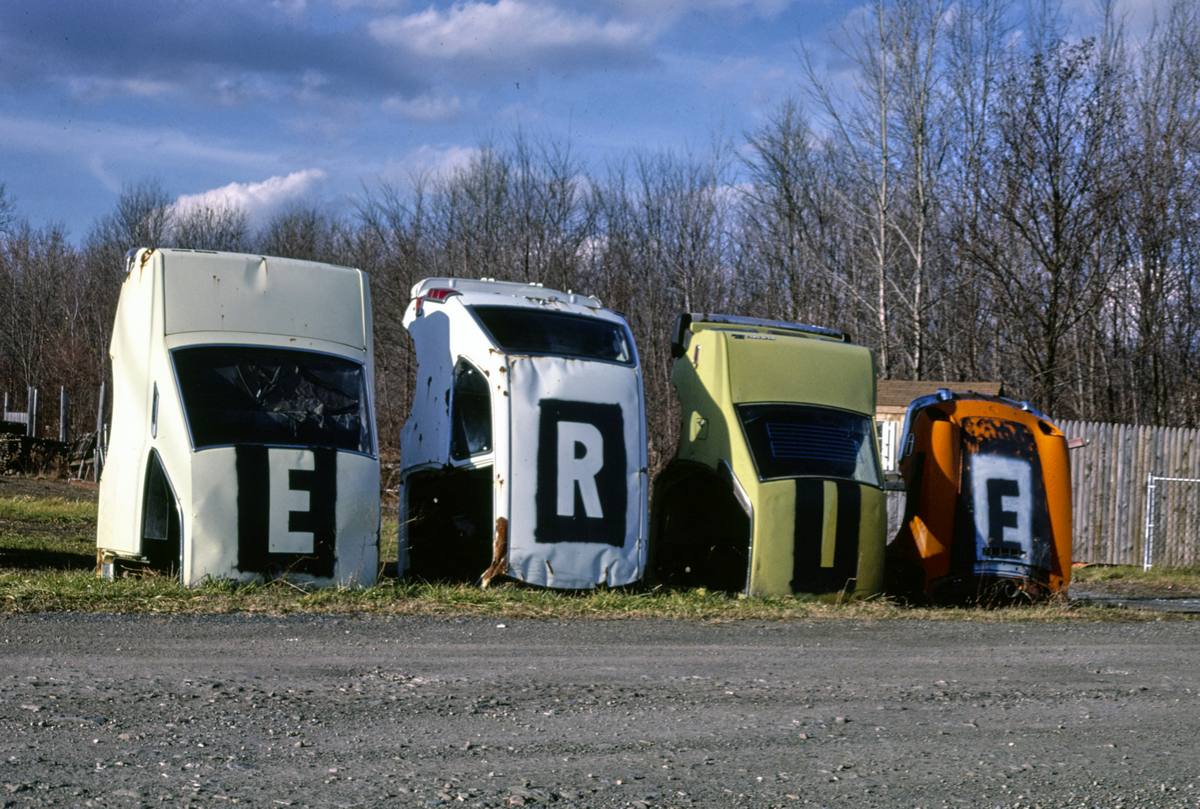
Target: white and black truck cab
point(242, 443)
point(525, 451)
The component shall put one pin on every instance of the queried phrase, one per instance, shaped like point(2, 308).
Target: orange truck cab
point(988, 510)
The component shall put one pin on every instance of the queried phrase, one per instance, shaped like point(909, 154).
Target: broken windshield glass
point(271, 396)
point(519, 330)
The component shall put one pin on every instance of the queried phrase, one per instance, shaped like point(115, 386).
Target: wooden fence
point(1109, 479)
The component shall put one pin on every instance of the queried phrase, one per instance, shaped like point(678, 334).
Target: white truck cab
point(525, 451)
point(242, 443)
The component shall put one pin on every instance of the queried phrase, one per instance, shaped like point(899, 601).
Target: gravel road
point(319, 711)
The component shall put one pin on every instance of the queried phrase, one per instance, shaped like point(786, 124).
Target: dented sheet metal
point(539, 393)
point(775, 487)
point(577, 485)
point(242, 454)
point(286, 518)
point(989, 500)
point(261, 295)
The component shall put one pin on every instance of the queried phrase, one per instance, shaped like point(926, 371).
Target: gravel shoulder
point(109, 710)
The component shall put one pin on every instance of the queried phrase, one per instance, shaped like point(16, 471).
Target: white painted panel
point(567, 527)
point(284, 500)
point(212, 534)
point(118, 526)
point(228, 299)
point(357, 520)
point(1003, 502)
point(237, 293)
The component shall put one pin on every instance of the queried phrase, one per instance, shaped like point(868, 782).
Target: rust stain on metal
point(499, 565)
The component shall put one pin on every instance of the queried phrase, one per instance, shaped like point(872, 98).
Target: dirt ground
point(102, 710)
point(17, 486)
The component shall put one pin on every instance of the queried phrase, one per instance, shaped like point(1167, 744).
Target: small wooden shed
point(892, 397)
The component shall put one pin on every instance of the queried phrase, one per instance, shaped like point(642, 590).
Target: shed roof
point(897, 393)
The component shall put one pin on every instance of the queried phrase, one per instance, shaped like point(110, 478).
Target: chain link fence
point(1172, 535)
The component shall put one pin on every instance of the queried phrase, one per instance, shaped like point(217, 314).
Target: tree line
point(973, 199)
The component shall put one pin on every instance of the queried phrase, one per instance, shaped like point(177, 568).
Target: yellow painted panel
point(829, 519)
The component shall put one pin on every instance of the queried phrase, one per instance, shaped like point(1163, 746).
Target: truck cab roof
point(489, 292)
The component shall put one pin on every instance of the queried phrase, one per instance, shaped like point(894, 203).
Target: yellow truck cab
point(776, 485)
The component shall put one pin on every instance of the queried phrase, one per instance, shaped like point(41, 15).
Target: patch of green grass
point(46, 533)
point(389, 536)
point(48, 510)
point(47, 551)
point(80, 591)
point(1158, 581)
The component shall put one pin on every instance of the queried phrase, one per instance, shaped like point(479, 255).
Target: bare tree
point(792, 240)
point(142, 218)
point(861, 122)
point(211, 227)
point(975, 64)
point(922, 145)
point(7, 211)
point(1050, 200)
point(304, 232)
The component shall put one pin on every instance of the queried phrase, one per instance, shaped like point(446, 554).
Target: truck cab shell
point(242, 443)
point(775, 487)
point(524, 454)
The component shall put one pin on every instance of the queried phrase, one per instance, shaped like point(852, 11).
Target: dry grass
point(47, 552)
point(1128, 580)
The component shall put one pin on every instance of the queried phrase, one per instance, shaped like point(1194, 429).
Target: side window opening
point(470, 413)
point(160, 519)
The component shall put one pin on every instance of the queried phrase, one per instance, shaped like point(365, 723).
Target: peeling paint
point(523, 454)
point(499, 565)
point(172, 493)
point(989, 492)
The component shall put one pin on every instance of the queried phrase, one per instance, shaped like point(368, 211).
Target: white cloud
point(101, 143)
point(291, 8)
point(667, 11)
point(346, 5)
point(428, 161)
point(95, 88)
point(1137, 16)
point(259, 200)
point(424, 108)
point(100, 171)
point(504, 31)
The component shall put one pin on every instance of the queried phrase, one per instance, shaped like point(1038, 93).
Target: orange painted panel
point(989, 500)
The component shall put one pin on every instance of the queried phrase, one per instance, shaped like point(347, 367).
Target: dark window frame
point(490, 447)
point(869, 434)
point(623, 327)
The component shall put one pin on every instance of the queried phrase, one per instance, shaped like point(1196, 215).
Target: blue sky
point(263, 102)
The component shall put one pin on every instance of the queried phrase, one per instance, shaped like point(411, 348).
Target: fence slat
point(1108, 482)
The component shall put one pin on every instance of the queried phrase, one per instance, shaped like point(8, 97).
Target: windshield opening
point(790, 441)
point(272, 396)
point(518, 330)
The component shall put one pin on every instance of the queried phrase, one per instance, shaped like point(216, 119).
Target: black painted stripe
point(254, 510)
point(807, 574)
